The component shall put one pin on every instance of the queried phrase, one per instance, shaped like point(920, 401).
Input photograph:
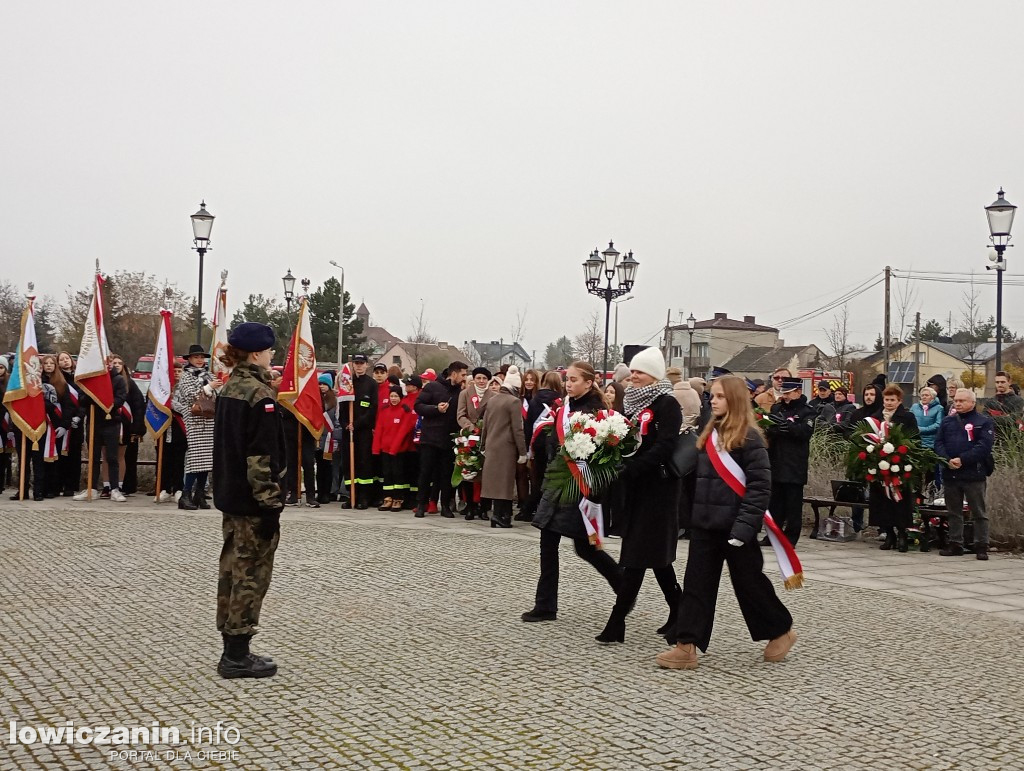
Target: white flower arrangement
point(580, 446)
point(895, 469)
point(888, 449)
point(883, 465)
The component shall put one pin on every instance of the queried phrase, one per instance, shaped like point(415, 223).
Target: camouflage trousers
point(246, 562)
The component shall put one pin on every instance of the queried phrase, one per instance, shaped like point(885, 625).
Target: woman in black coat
point(724, 530)
point(556, 519)
point(890, 516)
point(648, 518)
point(547, 395)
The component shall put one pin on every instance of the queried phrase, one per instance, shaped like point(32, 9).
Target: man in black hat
point(249, 466)
point(789, 446)
point(364, 416)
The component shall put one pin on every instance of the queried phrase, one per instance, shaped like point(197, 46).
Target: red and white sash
point(593, 513)
point(734, 476)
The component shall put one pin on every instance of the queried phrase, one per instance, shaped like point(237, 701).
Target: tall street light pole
point(610, 267)
point(341, 315)
point(691, 324)
point(202, 224)
point(1000, 222)
point(289, 291)
point(615, 343)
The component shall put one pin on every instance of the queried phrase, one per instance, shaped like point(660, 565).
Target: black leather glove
point(269, 526)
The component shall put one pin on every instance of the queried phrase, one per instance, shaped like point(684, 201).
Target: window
point(396, 360)
point(702, 350)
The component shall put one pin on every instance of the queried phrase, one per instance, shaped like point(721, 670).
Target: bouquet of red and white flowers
point(887, 453)
point(468, 460)
point(590, 454)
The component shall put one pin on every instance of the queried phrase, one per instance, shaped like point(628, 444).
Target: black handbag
point(683, 460)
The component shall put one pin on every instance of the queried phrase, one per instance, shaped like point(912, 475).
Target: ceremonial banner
point(219, 341)
point(343, 384)
point(161, 386)
point(91, 373)
point(24, 397)
point(300, 390)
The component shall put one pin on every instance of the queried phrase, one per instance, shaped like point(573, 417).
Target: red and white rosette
point(734, 476)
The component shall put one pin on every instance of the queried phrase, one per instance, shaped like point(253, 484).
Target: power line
point(830, 306)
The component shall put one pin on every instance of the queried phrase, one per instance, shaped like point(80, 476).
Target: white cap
point(651, 361)
point(513, 379)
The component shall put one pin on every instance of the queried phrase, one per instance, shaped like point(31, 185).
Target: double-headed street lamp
point(1000, 221)
point(202, 224)
point(607, 262)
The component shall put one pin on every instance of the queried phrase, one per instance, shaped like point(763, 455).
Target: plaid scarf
point(637, 399)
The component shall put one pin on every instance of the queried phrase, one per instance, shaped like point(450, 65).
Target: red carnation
point(907, 475)
point(870, 477)
point(885, 472)
point(612, 440)
point(590, 430)
point(894, 459)
point(902, 449)
point(862, 455)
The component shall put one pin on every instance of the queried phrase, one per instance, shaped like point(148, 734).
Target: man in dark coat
point(438, 406)
point(106, 435)
point(966, 439)
point(938, 383)
point(824, 397)
point(364, 417)
point(789, 447)
point(1005, 404)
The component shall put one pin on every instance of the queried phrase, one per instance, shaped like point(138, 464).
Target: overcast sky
point(759, 158)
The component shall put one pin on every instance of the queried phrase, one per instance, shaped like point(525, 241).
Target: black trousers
point(291, 444)
point(324, 469)
point(172, 475)
point(633, 579)
point(130, 480)
point(547, 585)
point(436, 466)
point(787, 508)
point(69, 467)
point(537, 469)
point(105, 439)
point(765, 615)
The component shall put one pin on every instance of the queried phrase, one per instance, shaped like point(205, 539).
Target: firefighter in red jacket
point(393, 437)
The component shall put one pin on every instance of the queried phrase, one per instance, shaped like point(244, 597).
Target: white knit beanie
point(513, 379)
point(651, 361)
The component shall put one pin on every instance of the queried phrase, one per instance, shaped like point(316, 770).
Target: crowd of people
point(393, 446)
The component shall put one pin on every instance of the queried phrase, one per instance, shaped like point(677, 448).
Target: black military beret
point(251, 336)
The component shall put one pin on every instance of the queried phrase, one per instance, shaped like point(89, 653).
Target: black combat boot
point(185, 501)
point(237, 661)
point(199, 498)
point(673, 599)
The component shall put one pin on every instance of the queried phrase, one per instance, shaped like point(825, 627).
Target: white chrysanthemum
point(908, 467)
point(871, 448)
point(883, 464)
point(872, 471)
point(617, 425)
point(888, 449)
point(578, 419)
point(895, 469)
point(580, 446)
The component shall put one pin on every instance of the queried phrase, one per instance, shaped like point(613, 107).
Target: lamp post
point(1000, 221)
point(289, 290)
point(341, 315)
point(202, 224)
point(691, 324)
point(607, 262)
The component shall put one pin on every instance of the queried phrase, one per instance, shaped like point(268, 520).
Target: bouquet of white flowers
point(590, 454)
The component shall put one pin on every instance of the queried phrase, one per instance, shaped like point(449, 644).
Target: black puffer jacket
point(789, 442)
point(564, 519)
point(437, 427)
point(717, 507)
point(545, 397)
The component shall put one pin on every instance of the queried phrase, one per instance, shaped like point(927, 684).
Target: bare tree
point(906, 305)
point(519, 325)
point(839, 340)
point(420, 334)
point(969, 335)
point(588, 345)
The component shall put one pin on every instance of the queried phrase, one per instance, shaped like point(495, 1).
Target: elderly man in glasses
point(773, 393)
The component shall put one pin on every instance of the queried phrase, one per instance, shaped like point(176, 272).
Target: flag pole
point(24, 462)
point(352, 454)
point(92, 436)
point(298, 471)
point(159, 464)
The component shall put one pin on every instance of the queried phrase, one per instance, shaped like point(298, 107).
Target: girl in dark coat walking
point(724, 530)
point(889, 516)
point(555, 519)
point(648, 517)
point(548, 397)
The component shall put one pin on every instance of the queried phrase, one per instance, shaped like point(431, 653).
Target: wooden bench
point(817, 504)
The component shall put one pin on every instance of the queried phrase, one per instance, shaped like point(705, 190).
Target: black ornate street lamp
point(289, 289)
point(1000, 222)
point(607, 262)
point(202, 224)
point(691, 324)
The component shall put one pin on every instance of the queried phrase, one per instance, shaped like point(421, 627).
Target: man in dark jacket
point(105, 438)
point(824, 397)
point(839, 411)
point(1005, 403)
point(438, 406)
point(966, 438)
point(789, 446)
point(364, 417)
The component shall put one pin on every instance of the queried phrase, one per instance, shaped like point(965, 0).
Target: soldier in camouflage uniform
point(248, 472)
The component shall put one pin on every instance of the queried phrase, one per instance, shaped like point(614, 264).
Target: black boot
point(446, 511)
point(673, 599)
point(502, 516)
point(926, 538)
point(890, 541)
point(615, 630)
point(185, 501)
point(199, 499)
point(236, 660)
point(901, 541)
point(470, 511)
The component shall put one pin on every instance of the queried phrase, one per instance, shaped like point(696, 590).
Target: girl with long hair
point(548, 396)
point(555, 519)
point(54, 473)
point(524, 480)
point(724, 530)
point(70, 463)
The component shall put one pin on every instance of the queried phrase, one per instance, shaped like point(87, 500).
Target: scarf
point(637, 399)
point(887, 415)
point(480, 391)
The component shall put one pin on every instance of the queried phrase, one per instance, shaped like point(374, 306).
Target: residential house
point(759, 361)
point(908, 366)
point(715, 341)
point(378, 339)
point(413, 358)
point(495, 353)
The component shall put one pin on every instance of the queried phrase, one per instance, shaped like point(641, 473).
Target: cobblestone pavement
point(400, 645)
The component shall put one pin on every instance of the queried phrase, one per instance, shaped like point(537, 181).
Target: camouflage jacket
point(248, 445)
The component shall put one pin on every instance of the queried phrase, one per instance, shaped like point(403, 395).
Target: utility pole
point(668, 324)
point(917, 353)
point(885, 334)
